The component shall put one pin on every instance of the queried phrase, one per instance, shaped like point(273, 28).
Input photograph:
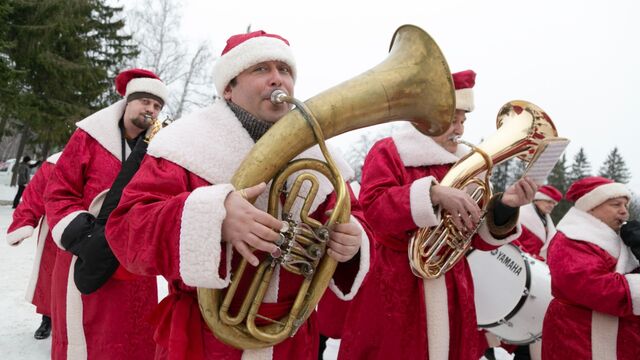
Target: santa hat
point(245, 50)
point(464, 81)
point(589, 192)
point(140, 83)
point(548, 192)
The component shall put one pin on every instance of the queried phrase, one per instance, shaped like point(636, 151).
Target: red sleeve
point(384, 194)
point(64, 196)
point(31, 208)
point(585, 275)
point(150, 236)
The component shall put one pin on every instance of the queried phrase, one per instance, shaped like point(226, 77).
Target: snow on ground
point(18, 319)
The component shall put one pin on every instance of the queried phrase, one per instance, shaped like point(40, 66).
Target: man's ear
point(227, 92)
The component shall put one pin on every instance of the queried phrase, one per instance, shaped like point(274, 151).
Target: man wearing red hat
point(110, 322)
point(193, 227)
point(397, 315)
point(595, 313)
point(26, 217)
point(537, 226)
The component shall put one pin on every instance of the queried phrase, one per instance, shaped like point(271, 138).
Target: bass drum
point(512, 293)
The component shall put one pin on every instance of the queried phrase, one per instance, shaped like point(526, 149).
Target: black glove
point(96, 262)
point(630, 234)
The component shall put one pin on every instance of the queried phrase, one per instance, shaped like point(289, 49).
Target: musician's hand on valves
point(344, 242)
point(520, 193)
point(245, 227)
point(465, 213)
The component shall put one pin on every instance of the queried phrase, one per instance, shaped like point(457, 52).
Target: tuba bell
point(414, 83)
point(523, 129)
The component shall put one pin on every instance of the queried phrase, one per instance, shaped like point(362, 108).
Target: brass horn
point(522, 130)
point(413, 83)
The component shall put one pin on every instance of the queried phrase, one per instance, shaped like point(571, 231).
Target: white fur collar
point(54, 158)
point(417, 149)
point(212, 143)
point(581, 226)
point(103, 127)
point(529, 217)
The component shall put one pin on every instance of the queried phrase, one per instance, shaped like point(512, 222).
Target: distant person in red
point(26, 217)
point(537, 227)
point(595, 313)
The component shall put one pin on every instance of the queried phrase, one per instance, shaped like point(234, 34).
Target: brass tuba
point(523, 128)
point(413, 83)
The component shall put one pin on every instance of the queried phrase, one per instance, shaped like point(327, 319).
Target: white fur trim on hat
point(601, 194)
point(148, 85)
point(252, 51)
point(464, 99)
point(542, 196)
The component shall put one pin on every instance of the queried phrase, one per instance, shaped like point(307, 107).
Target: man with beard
point(110, 322)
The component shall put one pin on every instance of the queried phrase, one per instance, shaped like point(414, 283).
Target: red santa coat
point(534, 233)
point(109, 323)
point(26, 217)
point(397, 315)
point(596, 306)
point(169, 222)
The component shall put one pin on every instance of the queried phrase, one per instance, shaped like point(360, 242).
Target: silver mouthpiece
point(455, 138)
point(278, 96)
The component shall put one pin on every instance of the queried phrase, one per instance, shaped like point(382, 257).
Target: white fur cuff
point(201, 237)
point(634, 289)
point(362, 271)
point(485, 234)
point(61, 226)
point(16, 236)
point(420, 200)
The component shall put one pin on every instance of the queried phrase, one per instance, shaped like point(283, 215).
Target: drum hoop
point(523, 298)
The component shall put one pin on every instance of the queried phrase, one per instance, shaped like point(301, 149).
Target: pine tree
point(580, 167)
point(69, 53)
point(558, 177)
point(615, 168)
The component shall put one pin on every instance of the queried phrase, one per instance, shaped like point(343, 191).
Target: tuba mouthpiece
point(278, 96)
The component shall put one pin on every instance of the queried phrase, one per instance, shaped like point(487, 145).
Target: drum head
point(500, 280)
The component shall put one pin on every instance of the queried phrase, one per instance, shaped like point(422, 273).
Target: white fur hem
point(77, 343)
point(604, 336)
point(420, 201)
point(258, 354)
point(60, 227)
point(634, 289)
point(16, 236)
point(35, 270)
point(362, 271)
point(485, 234)
point(200, 237)
point(437, 311)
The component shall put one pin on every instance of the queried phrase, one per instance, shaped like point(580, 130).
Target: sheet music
point(546, 157)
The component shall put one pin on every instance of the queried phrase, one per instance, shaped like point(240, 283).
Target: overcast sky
point(578, 60)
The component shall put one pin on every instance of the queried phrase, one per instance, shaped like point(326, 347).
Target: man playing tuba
point(396, 314)
point(181, 218)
